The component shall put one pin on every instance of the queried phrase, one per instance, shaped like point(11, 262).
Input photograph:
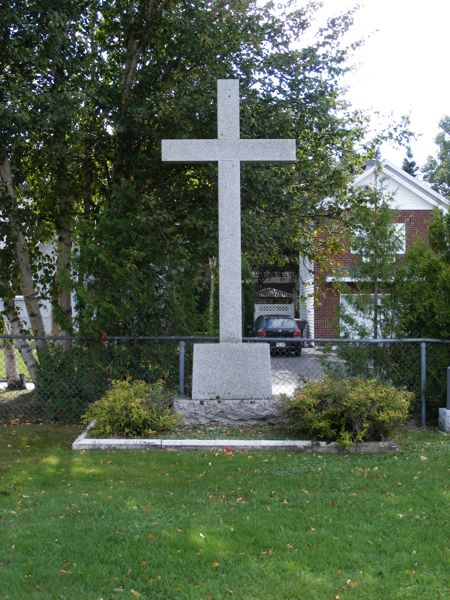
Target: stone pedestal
point(262, 411)
point(231, 371)
point(444, 419)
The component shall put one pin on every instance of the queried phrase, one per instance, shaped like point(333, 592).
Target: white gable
point(408, 192)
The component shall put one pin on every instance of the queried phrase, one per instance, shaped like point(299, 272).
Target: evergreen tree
point(375, 240)
point(421, 290)
point(437, 169)
point(409, 164)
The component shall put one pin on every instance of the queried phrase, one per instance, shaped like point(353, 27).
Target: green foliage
point(104, 83)
point(420, 296)
point(437, 170)
point(132, 409)
point(416, 306)
point(409, 164)
point(348, 410)
point(376, 246)
point(68, 381)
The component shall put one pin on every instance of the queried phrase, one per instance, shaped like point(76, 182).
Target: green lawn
point(149, 524)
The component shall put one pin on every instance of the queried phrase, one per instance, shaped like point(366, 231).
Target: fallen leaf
point(135, 593)
point(146, 508)
point(215, 565)
point(151, 537)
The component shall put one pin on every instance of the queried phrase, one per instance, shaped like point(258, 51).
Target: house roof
point(398, 175)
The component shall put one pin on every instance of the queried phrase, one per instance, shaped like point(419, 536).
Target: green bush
point(348, 410)
point(132, 409)
point(399, 365)
point(68, 381)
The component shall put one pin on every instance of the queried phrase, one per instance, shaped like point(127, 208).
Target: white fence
point(274, 309)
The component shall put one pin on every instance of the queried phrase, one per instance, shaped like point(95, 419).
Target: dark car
point(279, 326)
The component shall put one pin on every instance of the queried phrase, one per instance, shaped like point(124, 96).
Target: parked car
point(279, 326)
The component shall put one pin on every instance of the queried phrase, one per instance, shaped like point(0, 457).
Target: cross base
point(261, 411)
point(231, 370)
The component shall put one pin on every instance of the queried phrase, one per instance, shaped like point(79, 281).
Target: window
point(399, 231)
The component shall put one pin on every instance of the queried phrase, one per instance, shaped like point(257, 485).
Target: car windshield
point(280, 323)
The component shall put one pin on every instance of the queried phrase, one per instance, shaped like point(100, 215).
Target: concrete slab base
point(444, 419)
point(83, 442)
point(236, 411)
point(231, 370)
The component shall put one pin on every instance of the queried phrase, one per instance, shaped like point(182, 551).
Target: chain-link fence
point(56, 379)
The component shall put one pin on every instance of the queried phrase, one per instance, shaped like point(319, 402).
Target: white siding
point(46, 311)
point(404, 197)
point(306, 277)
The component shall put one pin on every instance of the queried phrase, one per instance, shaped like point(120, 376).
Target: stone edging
point(84, 443)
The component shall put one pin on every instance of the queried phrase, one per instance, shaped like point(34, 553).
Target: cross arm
point(187, 151)
point(218, 150)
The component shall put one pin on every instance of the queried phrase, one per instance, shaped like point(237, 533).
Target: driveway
point(290, 372)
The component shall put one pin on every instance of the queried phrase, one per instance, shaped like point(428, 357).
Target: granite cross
point(229, 150)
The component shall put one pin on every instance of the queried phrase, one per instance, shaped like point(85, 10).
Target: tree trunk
point(23, 260)
point(375, 309)
point(62, 289)
point(138, 37)
point(14, 380)
point(16, 329)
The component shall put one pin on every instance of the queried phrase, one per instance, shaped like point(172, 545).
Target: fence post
point(181, 363)
point(423, 379)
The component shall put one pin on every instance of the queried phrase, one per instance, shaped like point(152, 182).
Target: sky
point(403, 67)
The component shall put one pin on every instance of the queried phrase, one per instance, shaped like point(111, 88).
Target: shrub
point(348, 410)
point(398, 365)
point(132, 409)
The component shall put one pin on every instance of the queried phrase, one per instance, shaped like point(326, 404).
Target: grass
point(215, 525)
point(217, 432)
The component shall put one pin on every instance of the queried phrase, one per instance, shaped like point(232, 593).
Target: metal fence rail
point(71, 372)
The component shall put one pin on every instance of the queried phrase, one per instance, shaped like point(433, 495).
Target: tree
point(375, 239)
point(409, 164)
point(437, 169)
point(420, 294)
point(88, 90)
point(14, 379)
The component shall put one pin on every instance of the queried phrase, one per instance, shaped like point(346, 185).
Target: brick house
point(414, 203)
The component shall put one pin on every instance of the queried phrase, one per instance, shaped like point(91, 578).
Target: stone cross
point(229, 150)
